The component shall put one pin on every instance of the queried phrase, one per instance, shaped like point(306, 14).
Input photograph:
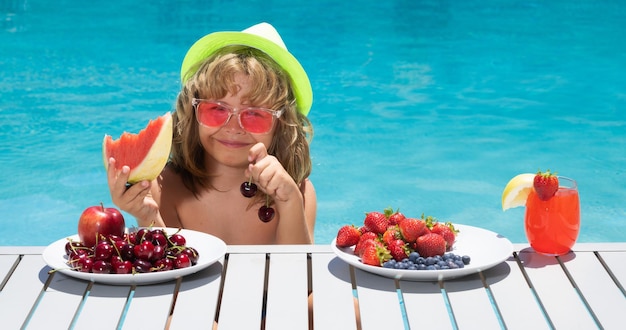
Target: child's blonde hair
point(271, 88)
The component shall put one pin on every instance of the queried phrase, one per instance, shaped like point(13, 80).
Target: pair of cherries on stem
point(248, 190)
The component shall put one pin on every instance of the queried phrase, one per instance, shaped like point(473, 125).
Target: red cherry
point(266, 214)
point(192, 254)
point(182, 261)
point(71, 246)
point(101, 267)
point(127, 252)
point(159, 239)
point(83, 264)
point(124, 267)
point(79, 260)
point(114, 238)
point(103, 251)
point(163, 265)
point(115, 260)
point(143, 234)
point(248, 189)
point(131, 237)
point(144, 250)
point(158, 231)
point(142, 266)
point(78, 253)
point(158, 252)
point(177, 240)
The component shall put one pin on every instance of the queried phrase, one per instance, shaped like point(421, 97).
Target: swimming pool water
point(430, 107)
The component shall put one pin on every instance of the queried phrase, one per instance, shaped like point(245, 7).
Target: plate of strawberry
point(422, 248)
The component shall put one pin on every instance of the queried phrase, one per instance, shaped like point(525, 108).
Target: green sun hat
point(263, 37)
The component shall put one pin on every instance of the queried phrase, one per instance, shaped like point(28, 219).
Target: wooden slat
point(242, 299)
point(467, 297)
point(512, 295)
point(197, 299)
point(62, 291)
point(601, 293)
point(425, 297)
point(287, 292)
point(615, 261)
point(6, 263)
point(109, 299)
point(378, 302)
point(150, 306)
point(553, 288)
point(22, 290)
point(332, 293)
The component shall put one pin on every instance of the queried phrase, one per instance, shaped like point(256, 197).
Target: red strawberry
point(411, 229)
point(363, 241)
point(375, 255)
point(396, 218)
point(545, 184)
point(376, 222)
point(398, 250)
point(348, 235)
point(446, 231)
point(431, 245)
point(391, 234)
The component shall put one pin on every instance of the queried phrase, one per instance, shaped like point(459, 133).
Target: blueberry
point(413, 256)
point(466, 260)
point(389, 264)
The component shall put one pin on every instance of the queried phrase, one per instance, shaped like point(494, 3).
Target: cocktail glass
point(552, 226)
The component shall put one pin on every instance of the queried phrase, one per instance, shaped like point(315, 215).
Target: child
point(240, 158)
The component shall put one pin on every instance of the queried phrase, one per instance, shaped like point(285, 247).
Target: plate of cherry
point(142, 256)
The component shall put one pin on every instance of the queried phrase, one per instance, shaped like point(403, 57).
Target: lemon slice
point(516, 191)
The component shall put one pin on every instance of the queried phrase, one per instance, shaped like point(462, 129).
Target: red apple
point(98, 221)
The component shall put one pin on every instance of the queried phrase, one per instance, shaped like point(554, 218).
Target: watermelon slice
point(146, 153)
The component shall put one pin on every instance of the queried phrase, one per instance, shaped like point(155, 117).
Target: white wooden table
point(582, 290)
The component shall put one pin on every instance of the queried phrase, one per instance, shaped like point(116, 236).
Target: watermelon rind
point(155, 159)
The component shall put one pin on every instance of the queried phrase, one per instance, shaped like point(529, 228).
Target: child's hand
point(135, 199)
point(270, 175)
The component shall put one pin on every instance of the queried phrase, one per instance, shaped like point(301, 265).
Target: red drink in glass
point(552, 226)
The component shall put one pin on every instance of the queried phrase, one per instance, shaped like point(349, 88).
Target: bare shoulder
point(170, 184)
point(169, 192)
point(169, 176)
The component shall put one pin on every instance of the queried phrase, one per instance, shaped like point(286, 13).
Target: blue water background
point(426, 106)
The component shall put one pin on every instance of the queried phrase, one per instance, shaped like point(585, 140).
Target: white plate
point(210, 249)
point(485, 249)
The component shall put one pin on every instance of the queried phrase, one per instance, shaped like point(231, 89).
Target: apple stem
point(102, 206)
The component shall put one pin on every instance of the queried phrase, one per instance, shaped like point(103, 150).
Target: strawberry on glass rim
point(545, 185)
